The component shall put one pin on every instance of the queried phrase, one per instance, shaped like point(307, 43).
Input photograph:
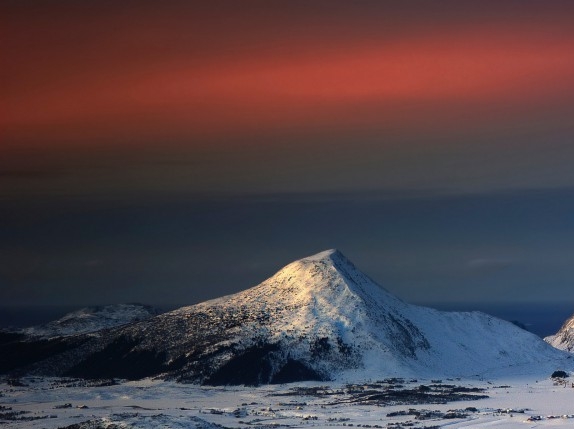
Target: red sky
point(100, 96)
point(108, 72)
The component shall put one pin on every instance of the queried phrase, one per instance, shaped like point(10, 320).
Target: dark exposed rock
point(559, 374)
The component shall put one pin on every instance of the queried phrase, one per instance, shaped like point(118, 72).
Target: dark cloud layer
point(176, 251)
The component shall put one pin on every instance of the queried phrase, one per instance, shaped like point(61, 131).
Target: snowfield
point(517, 402)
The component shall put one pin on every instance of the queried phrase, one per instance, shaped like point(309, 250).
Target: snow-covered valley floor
point(395, 403)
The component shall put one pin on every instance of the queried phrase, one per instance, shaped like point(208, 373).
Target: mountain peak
point(337, 260)
point(326, 255)
point(328, 271)
point(318, 318)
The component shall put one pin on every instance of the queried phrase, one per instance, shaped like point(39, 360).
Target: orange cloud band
point(356, 84)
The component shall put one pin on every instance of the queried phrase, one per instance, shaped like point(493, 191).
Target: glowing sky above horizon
point(114, 106)
point(206, 84)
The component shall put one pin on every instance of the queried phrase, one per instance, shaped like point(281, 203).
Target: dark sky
point(168, 152)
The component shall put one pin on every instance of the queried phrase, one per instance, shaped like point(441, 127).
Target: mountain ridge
point(317, 318)
point(564, 338)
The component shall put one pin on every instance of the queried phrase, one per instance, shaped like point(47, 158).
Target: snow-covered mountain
point(564, 338)
point(92, 319)
point(317, 318)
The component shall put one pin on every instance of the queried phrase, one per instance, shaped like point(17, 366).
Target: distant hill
point(92, 319)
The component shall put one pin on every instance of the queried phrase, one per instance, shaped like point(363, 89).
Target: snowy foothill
point(518, 402)
point(92, 319)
